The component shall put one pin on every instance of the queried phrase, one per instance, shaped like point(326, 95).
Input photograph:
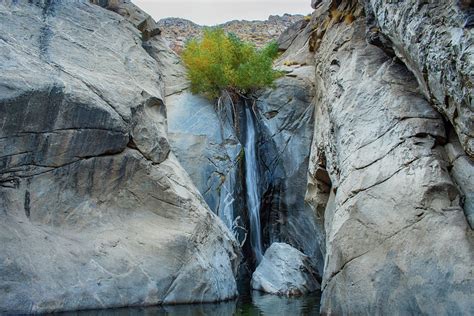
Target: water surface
point(254, 303)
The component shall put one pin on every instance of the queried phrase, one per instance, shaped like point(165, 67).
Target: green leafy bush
point(221, 61)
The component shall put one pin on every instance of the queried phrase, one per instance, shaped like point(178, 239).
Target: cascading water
point(251, 180)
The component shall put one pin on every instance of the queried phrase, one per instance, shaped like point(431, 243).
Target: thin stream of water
point(251, 180)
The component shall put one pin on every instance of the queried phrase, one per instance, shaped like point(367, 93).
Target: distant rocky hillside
point(177, 30)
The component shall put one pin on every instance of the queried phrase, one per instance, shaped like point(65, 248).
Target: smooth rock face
point(285, 270)
point(436, 42)
point(397, 239)
point(205, 142)
point(95, 209)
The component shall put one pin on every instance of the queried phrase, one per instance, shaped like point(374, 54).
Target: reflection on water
point(252, 304)
point(280, 305)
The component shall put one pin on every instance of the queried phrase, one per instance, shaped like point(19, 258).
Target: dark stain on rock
point(27, 204)
point(46, 33)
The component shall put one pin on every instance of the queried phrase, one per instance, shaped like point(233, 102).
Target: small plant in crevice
point(220, 61)
point(290, 63)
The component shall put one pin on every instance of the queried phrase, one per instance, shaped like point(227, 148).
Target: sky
point(211, 12)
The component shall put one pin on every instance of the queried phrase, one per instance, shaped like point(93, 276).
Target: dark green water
point(254, 303)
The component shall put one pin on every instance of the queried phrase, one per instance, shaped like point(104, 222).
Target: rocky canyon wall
point(388, 180)
point(95, 209)
point(119, 187)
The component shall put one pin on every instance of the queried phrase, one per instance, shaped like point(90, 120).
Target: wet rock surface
point(203, 136)
point(286, 124)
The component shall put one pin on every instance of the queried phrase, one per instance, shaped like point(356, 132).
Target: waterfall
point(251, 180)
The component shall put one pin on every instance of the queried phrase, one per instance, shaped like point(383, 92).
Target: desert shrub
point(220, 61)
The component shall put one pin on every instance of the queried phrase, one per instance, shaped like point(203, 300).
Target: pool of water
point(252, 303)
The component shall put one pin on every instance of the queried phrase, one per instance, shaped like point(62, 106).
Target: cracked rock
point(394, 208)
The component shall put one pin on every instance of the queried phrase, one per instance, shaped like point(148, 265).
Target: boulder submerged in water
point(285, 270)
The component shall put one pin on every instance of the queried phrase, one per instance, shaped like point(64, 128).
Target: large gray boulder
point(285, 270)
point(95, 210)
point(397, 238)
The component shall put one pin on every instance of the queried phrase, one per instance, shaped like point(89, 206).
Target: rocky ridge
point(177, 31)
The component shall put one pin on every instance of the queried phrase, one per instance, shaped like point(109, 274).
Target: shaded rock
point(285, 271)
point(315, 3)
point(96, 211)
point(204, 140)
point(286, 124)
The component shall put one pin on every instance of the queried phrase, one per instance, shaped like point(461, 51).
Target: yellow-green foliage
point(222, 61)
point(290, 63)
